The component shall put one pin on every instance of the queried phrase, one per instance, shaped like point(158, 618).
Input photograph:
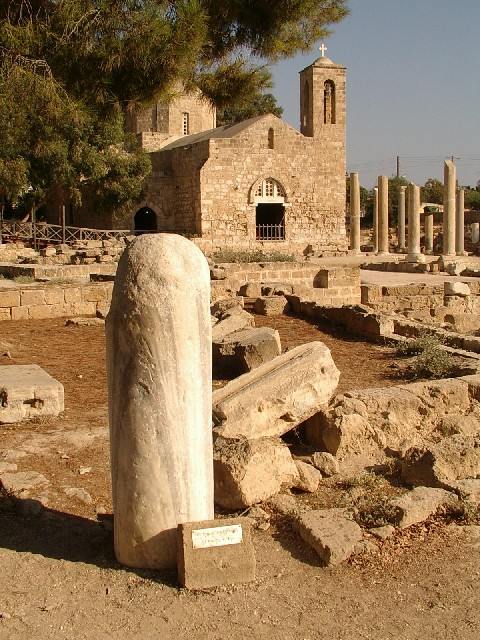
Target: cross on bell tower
point(323, 49)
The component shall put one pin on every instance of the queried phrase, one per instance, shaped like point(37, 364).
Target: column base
point(462, 253)
point(383, 253)
point(416, 258)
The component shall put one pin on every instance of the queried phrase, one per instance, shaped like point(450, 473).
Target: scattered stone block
point(277, 396)
point(225, 305)
point(251, 290)
point(382, 533)
point(325, 463)
point(232, 321)
point(285, 505)
point(331, 532)
point(419, 504)
point(308, 477)
point(27, 391)
point(84, 322)
point(436, 465)
point(214, 553)
point(468, 490)
point(456, 289)
point(271, 305)
point(276, 289)
point(22, 482)
point(79, 494)
point(247, 472)
point(245, 350)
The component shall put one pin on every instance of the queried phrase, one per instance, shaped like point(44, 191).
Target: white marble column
point(475, 229)
point(383, 246)
point(401, 219)
point(460, 223)
point(414, 252)
point(159, 363)
point(450, 179)
point(428, 228)
point(354, 213)
point(375, 219)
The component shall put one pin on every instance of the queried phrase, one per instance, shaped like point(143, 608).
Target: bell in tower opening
point(329, 102)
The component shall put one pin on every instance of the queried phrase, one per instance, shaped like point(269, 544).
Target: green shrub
point(23, 279)
point(415, 347)
point(229, 255)
point(433, 363)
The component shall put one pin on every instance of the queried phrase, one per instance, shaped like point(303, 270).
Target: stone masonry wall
point(53, 301)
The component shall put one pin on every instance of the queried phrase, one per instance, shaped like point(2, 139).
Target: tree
point(254, 106)
point(432, 191)
point(71, 69)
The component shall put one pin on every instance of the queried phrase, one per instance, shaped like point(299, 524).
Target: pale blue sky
point(413, 86)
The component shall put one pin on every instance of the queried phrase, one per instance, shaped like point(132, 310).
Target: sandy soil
point(59, 577)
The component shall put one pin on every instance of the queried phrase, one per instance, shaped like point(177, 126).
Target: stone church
point(256, 184)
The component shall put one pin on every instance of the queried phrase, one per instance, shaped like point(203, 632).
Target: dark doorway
point(270, 222)
point(145, 221)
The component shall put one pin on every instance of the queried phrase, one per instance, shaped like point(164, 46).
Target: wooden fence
point(43, 233)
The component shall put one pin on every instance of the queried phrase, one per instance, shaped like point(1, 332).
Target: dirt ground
point(59, 577)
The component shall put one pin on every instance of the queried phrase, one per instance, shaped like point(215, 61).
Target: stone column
point(375, 219)
point(450, 179)
point(401, 219)
point(383, 248)
point(354, 213)
point(475, 228)
point(460, 224)
point(428, 227)
point(159, 359)
point(414, 253)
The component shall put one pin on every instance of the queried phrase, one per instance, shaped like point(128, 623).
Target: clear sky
point(413, 86)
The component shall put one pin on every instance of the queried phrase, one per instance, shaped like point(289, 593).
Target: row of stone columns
point(409, 200)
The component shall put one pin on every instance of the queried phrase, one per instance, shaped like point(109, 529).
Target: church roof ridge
point(225, 131)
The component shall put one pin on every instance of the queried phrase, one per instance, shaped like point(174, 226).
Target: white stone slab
point(27, 391)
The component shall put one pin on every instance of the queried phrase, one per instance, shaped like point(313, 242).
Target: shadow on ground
point(63, 536)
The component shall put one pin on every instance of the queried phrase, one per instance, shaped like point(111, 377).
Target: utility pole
point(398, 166)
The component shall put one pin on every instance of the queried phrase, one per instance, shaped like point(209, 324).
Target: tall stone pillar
point(383, 247)
point(160, 397)
point(354, 213)
point(450, 179)
point(428, 227)
point(414, 253)
point(401, 219)
point(460, 223)
point(475, 228)
point(375, 219)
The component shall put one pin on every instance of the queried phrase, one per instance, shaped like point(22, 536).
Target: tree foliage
point(71, 69)
point(432, 191)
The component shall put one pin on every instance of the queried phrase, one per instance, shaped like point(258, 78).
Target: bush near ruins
point(430, 360)
point(228, 255)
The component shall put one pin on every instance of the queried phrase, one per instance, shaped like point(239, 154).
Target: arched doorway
point(270, 210)
point(145, 221)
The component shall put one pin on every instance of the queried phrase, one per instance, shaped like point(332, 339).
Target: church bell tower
point(322, 102)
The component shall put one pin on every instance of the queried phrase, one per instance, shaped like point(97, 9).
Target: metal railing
point(42, 232)
point(271, 232)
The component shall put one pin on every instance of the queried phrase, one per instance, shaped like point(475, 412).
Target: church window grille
point(186, 124)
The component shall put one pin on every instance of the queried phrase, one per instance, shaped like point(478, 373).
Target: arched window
point(270, 189)
point(186, 124)
point(271, 138)
point(329, 115)
point(306, 103)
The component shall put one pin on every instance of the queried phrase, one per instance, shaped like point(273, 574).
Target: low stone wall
point(80, 273)
point(54, 301)
point(330, 286)
point(423, 300)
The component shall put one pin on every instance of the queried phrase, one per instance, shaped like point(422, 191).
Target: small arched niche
point(271, 138)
